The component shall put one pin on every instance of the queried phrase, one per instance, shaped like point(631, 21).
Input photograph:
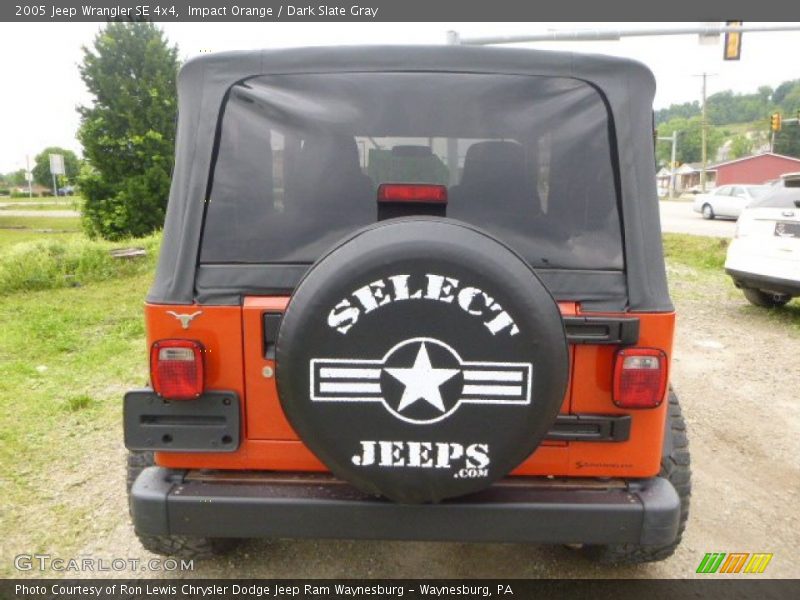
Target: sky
point(41, 85)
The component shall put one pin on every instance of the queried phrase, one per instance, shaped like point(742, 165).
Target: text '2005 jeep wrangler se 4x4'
point(411, 293)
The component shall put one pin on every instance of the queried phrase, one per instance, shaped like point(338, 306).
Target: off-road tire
point(765, 299)
point(675, 467)
point(178, 546)
point(708, 212)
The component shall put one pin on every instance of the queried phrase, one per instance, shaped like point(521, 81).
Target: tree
point(741, 145)
point(41, 169)
point(787, 140)
point(17, 178)
point(689, 147)
point(128, 135)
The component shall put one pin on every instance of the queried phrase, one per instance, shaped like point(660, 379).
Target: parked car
point(402, 313)
point(66, 191)
point(727, 201)
point(764, 256)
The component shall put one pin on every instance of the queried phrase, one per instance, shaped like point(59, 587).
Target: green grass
point(12, 237)
point(56, 263)
point(71, 343)
point(66, 357)
point(696, 272)
point(696, 251)
point(40, 223)
point(40, 207)
point(71, 199)
point(15, 230)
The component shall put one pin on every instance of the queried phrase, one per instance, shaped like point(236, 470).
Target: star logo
point(420, 381)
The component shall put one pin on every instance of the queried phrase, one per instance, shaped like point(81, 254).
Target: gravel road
point(735, 370)
point(678, 217)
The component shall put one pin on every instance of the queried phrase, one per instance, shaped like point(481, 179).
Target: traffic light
point(775, 122)
point(733, 42)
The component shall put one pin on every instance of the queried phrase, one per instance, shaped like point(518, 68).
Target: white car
point(764, 256)
point(728, 200)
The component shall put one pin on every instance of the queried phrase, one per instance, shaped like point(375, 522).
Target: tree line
point(725, 109)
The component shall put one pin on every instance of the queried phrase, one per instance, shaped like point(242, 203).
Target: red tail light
point(640, 377)
point(412, 192)
point(176, 369)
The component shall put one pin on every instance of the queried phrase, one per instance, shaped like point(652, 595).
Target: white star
point(422, 381)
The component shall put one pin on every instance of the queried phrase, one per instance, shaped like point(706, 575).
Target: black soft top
point(626, 86)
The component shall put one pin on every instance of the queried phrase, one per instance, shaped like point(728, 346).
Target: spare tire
point(421, 359)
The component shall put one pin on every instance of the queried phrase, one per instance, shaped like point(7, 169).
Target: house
point(757, 169)
point(38, 190)
point(687, 176)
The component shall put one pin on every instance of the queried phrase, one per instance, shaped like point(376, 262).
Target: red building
point(754, 169)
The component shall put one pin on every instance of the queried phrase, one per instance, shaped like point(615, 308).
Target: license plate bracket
point(210, 423)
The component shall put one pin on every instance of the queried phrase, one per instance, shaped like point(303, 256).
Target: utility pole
point(704, 133)
point(29, 176)
point(674, 139)
point(672, 165)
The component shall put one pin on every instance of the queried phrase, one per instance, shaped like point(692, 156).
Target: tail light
point(176, 369)
point(412, 192)
point(640, 377)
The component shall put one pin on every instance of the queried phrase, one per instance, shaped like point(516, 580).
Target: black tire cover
point(421, 359)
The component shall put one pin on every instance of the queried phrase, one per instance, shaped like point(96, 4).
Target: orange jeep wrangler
point(411, 293)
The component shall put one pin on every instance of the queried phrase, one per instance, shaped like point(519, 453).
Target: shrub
point(50, 264)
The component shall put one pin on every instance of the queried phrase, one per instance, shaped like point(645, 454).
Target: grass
point(71, 342)
point(15, 230)
point(40, 223)
point(39, 207)
point(698, 252)
point(66, 357)
point(25, 199)
point(57, 263)
point(696, 271)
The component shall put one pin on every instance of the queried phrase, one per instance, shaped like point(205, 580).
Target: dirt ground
point(735, 370)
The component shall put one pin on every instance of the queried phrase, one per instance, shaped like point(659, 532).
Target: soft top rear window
point(300, 157)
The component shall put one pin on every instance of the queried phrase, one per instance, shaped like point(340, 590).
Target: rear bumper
point(225, 504)
point(744, 279)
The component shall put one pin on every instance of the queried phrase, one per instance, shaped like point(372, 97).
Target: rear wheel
point(179, 546)
point(675, 467)
point(765, 299)
point(708, 212)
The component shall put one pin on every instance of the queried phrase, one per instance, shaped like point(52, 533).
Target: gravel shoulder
point(735, 370)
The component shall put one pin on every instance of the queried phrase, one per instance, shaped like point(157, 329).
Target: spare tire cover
point(421, 359)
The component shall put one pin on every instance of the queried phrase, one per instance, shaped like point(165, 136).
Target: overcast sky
point(41, 85)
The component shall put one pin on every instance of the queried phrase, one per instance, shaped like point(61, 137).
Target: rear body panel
point(767, 249)
point(235, 360)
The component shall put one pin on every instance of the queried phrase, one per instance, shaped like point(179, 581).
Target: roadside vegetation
point(695, 269)
point(71, 342)
point(14, 230)
point(39, 203)
point(58, 263)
